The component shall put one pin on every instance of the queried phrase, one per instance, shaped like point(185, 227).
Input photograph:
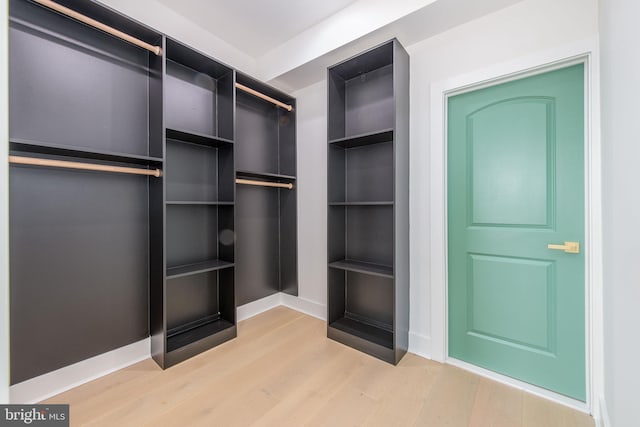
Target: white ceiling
point(289, 43)
point(256, 26)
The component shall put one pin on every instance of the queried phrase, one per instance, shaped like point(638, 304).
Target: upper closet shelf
point(198, 203)
point(37, 147)
point(362, 203)
point(385, 135)
point(197, 138)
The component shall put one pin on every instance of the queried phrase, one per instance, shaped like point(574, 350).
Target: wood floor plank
point(246, 396)
point(310, 397)
point(283, 371)
point(496, 405)
point(451, 399)
point(235, 369)
point(405, 392)
point(539, 412)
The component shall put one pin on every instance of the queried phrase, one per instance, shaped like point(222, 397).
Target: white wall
point(620, 34)
point(312, 192)
point(4, 211)
point(522, 29)
point(165, 20)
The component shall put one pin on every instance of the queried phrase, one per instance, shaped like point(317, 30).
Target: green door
point(515, 186)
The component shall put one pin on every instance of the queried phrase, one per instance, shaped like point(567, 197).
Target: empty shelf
point(197, 138)
point(180, 337)
point(201, 267)
point(197, 203)
point(363, 267)
point(385, 135)
point(360, 203)
point(366, 331)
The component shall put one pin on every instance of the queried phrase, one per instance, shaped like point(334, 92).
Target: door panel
point(529, 287)
point(509, 163)
point(515, 185)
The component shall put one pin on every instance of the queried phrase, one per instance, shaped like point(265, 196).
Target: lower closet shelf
point(363, 267)
point(196, 331)
point(363, 336)
point(200, 267)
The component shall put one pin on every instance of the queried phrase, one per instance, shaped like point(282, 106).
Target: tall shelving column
point(266, 232)
point(195, 308)
point(79, 239)
point(368, 196)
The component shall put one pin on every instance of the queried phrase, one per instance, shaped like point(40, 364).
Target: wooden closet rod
point(288, 186)
point(99, 25)
point(263, 96)
point(84, 166)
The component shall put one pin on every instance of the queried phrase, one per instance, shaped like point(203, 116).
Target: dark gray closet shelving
point(102, 260)
point(266, 217)
point(368, 197)
point(80, 240)
point(194, 308)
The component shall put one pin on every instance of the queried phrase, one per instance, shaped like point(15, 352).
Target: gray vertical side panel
point(335, 106)
point(157, 266)
point(226, 174)
point(226, 290)
point(337, 243)
point(225, 108)
point(226, 233)
point(288, 241)
point(287, 141)
point(336, 293)
point(401, 93)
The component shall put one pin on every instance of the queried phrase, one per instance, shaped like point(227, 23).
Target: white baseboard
point(63, 379)
point(603, 419)
point(272, 301)
point(529, 388)
point(259, 306)
point(420, 345)
point(305, 306)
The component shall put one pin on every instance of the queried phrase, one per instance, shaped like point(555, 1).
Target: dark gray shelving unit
point(368, 202)
point(110, 259)
point(193, 306)
point(266, 217)
point(80, 240)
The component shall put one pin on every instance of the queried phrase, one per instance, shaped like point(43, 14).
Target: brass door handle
point(568, 247)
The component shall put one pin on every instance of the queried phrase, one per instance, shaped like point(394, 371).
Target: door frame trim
point(586, 52)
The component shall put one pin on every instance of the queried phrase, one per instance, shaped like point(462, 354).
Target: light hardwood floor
point(283, 371)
